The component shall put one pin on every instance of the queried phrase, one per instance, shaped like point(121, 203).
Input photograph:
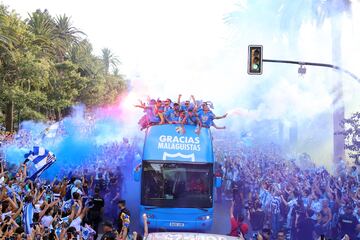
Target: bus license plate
point(175, 224)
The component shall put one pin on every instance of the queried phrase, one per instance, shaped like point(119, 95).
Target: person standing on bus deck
point(124, 219)
point(172, 115)
point(159, 111)
point(207, 117)
point(167, 105)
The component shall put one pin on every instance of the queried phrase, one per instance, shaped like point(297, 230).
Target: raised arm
point(193, 99)
point(284, 201)
point(38, 196)
point(179, 99)
point(146, 228)
point(47, 206)
point(18, 212)
point(11, 202)
point(232, 209)
point(220, 117)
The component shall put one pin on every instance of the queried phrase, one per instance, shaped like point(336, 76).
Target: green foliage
point(46, 66)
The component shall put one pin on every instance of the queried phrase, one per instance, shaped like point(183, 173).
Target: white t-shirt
point(76, 223)
point(46, 221)
point(75, 189)
point(4, 215)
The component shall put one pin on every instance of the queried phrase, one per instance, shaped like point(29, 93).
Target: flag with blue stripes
point(51, 132)
point(28, 214)
point(41, 158)
point(87, 232)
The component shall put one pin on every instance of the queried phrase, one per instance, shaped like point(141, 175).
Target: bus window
point(184, 185)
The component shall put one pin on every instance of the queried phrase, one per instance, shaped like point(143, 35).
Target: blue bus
point(177, 178)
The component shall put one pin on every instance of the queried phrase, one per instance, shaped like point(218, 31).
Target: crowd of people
point(80, 202)
point(6, 137)
point(197, 113)
point(272, 197)
point(279, 199)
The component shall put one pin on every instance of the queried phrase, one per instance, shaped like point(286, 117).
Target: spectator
point(237, 224)
point(95, 212)
point(281, 235)
point(348, 223)
point(124, 219)
point(108, 231)
point(305, 226)
point(257, 217)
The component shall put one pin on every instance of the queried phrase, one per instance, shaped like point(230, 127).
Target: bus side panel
point(165, 143)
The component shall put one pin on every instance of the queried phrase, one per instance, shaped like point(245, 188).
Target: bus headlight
point(204, 218)
point(150, 216)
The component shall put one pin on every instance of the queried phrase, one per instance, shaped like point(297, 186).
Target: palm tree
point(334, 9)
point(318, 11)
point(109, 60)
point(42, 25)
point(65, 36)
point(291, 15)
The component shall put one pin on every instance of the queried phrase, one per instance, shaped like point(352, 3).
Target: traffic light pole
point(315, 64)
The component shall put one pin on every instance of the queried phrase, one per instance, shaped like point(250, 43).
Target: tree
point(289, 16)
point(42, 25)
point(109, 60)
point(22, 73)
point(351, 134)
point(66, 35)
point(46, 67)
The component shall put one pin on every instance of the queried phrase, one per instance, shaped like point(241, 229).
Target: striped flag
point(28, 214)
point(51, 132)
point(41, 158)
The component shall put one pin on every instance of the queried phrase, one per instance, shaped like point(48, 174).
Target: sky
point(153, 39)
point(169, 47)
point(186, 44)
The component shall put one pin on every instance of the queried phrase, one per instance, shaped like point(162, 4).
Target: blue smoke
point(75, 143)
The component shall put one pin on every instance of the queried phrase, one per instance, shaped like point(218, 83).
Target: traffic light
point(255, 59)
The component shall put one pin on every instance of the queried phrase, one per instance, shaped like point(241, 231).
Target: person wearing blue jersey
point(182, 117)
point(167, 105)
point(172, 115)
point(192, 117)
point(186, 105)
point(207, 117)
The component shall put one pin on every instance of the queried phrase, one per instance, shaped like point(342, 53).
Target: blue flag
point(27, 219)
point(41, 158)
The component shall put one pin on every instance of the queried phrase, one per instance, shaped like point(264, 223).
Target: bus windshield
point(179, 185)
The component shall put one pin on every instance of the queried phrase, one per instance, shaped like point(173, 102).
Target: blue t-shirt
point(150, 113)
point(183, 118)
point(186, 107)
point(191, 120)
point(206, 118)
point(171, 115)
